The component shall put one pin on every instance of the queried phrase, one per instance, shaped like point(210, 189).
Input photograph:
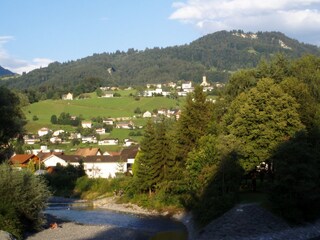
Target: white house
point(147, 114)
point(100, 131)
point(128, 142)
point(102, 166)
point(68, 96)
point(107, 95)
point(55, 140)
point(86, 124)
point(108, 142)
point(186, 85)
point(43, 131)
point(89, 139)
point(108, 121)
point(57, 133)
point(53, 160)
point(95, 166)
point(125, 125)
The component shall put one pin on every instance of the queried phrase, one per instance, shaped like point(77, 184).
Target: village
point(97, 163)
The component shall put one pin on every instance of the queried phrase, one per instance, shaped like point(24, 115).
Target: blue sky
point(34, 33)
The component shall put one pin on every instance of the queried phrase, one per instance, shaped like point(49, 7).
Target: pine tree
point(145, 158)
point(193, 122)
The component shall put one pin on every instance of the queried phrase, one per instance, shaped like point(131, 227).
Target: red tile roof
point(21, 158)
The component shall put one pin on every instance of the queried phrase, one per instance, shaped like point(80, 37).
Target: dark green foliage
point(23, 196)
point(220, 193)
point(295, 194)
point(12, 120)
point(63, 180)
point(193, 122)
point(214, 55)
point(65, 119)
point(260, 119)
point(54, 119)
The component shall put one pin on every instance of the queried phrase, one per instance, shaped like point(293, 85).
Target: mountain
point(215, 55)
point(5, 72)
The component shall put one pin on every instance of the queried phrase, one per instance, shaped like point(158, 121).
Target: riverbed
point(82, 221)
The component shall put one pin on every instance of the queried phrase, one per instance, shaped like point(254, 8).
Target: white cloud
point(293, 17)
point(17, 65)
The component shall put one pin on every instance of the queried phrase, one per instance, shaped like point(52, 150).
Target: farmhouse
point(147, 114)
point(23, 160)
point(86, 124)
point(68, 96)
point(43, 131)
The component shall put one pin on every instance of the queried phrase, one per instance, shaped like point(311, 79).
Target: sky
point(34, 33)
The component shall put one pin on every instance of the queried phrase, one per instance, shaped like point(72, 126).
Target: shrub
point(23, 196)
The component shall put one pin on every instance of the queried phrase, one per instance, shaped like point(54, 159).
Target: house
point(108, 121)
point(75, 136)
point(147, 114)
point(186, 85)
point(88, 152)
point(125, 125)
point(95, 164)
point(102, 166)
point(86, 124)
point(43, 131)
point(68, 96)
point(107, 95)
point(30, 141)
point(128, 142)
point(23, 160)
point(100, 131)
point(57, 133)
point(53, 160)
point(55, 140)
point(89, 139)
point(128, 155)
point(108, 142)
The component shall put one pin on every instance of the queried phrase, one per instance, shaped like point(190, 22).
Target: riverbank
point(110, 203)
point(67, 230)
point(72, 230)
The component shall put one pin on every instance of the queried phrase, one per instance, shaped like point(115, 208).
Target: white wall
point(103, 170)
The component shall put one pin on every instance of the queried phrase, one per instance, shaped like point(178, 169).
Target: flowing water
point(82, 213)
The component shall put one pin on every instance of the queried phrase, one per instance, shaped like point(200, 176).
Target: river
point(82, 213)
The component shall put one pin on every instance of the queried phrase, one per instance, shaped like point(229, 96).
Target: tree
point(12, 120)
point(23, 197)
point(144, 159)
point(261, 119)
point(193, 122)
point(307, 104)
point(295, 193)
point(163, 160)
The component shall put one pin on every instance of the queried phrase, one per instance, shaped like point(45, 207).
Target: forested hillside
point(5, 72)
point(215, 55)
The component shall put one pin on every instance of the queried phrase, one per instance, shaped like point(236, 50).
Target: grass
point(92, 107)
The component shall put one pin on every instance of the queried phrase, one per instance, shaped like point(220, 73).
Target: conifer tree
point(193, 122)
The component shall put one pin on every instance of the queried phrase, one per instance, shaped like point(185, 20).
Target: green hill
point(92, 107)
point(215, 55)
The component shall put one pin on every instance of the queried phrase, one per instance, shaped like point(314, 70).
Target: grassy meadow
point(116, 107)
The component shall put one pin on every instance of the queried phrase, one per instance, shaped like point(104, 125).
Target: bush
point(23, 196)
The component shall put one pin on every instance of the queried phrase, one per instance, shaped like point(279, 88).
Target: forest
point(215, 55)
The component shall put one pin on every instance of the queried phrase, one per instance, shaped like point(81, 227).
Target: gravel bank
point(74, 231)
